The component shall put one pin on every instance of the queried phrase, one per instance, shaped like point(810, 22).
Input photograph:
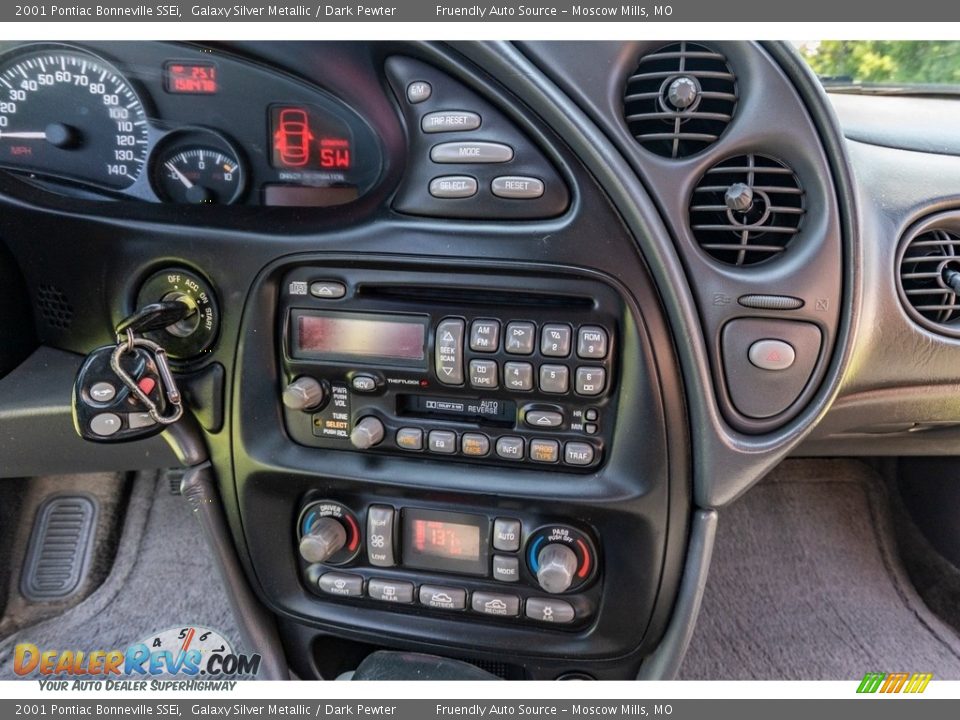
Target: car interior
point(575, 360)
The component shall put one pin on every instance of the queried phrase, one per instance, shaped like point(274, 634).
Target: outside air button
point(772, 354)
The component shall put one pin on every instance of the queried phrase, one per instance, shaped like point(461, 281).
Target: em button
point(772, 354)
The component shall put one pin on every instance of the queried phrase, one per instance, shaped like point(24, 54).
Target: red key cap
point(147, 384)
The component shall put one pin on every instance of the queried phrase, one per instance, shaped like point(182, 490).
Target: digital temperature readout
point(304, 140)
point(451, 542)
point(191, 78)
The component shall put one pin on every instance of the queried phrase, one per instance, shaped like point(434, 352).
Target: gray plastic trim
point(664, 662)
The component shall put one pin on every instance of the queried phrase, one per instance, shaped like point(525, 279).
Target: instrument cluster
point(179, 124)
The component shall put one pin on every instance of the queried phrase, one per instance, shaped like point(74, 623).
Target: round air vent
point(680, 99)
point(929, 274)
point(746, 209)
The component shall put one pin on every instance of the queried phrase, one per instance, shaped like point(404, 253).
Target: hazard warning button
point(772, 354)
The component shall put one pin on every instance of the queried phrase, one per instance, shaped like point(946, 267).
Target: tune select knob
point(367, 433)
point(304, 393)
point(558, 564)
point(325, 537)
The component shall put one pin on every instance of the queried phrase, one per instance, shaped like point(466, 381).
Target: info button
point(453, 186)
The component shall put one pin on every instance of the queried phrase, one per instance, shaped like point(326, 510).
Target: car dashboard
point(484, 334)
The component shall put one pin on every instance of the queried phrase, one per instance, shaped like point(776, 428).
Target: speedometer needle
point(179, 175)
point(25, 135)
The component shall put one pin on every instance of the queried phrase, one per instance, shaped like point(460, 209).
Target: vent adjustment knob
point(739, 197)
point(683, 93)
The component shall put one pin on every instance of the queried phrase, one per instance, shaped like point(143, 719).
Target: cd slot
point(469, 296)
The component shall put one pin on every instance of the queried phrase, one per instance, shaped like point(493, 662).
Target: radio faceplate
point(474, 369)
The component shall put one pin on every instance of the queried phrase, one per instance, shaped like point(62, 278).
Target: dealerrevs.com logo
point(188, 652)
point(891, 683)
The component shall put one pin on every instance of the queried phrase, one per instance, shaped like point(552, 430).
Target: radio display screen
point(449, 542)
point(359, 336)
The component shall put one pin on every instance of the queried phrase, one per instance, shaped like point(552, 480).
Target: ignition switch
point(194, 334)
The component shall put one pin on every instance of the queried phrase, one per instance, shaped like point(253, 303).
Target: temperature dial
point(561, 557)
point(328, 532)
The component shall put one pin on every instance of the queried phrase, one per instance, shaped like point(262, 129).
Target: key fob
point(104, 409)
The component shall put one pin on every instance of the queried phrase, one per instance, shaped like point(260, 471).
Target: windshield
point(885, 65)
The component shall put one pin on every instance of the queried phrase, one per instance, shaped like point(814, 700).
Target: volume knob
point(304, 393)
point(367, 433)
point(558, 563)
point(325, 537)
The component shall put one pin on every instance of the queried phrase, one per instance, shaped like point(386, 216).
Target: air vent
point(680, 99)
point(746, 209)
point(929, 263)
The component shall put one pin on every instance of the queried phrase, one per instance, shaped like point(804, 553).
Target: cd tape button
point(448, 355)
point(483, 374)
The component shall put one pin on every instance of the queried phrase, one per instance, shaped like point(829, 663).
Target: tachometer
point(67, 114)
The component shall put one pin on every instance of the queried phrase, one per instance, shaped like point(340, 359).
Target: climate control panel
point(508, 376)
point(518, 569)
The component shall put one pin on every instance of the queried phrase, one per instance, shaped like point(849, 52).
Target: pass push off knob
point(329, 533)
point(562, 558)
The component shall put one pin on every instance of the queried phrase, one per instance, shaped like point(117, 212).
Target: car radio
point(479, 369)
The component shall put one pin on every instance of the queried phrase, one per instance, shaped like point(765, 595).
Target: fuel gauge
point(198, 168)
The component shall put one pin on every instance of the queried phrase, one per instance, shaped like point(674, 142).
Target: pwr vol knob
point(328, 532)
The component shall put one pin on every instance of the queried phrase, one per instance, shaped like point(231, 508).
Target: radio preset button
point(380, 539)
point(518, 376)
point(578, 453)
point(449, 351)
point(543, 418)
point(442, 441)
point(474, 444)
point(592, 342)
point(554, 379)
point(410, 438)
point(555, 340)
point(496, 604)
point(395, 591)
point(506, 534)
point(550, 610)
point(363, 383)
point(342, 584)
point(545, 451)
point(442, 597)
point(328, 289)
point(519, 338)
point(506, 568)
point(510, 448)
point(483, 374)
point(590, 381)
point(485, 336)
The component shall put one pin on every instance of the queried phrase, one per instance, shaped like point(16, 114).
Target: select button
point(453, 186)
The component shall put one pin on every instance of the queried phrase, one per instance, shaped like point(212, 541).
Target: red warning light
point(291, 138)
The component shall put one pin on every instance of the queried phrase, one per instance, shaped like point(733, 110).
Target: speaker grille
point(55, 308)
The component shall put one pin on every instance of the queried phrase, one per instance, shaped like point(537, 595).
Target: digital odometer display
point(450, 542)
point(67, 114)
point(359, 337)
point(190, 78)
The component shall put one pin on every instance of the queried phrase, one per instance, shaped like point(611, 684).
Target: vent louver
point(680, 99)
point(747, 209)
point(928, 263)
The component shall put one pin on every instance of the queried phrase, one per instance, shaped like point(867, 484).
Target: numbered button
point(518, 376)
point(554, 379)
point(519, 337)
point(592, 342)
point(555, 340)
point(590, 381)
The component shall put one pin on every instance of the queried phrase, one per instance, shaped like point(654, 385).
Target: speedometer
point(66, 114)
